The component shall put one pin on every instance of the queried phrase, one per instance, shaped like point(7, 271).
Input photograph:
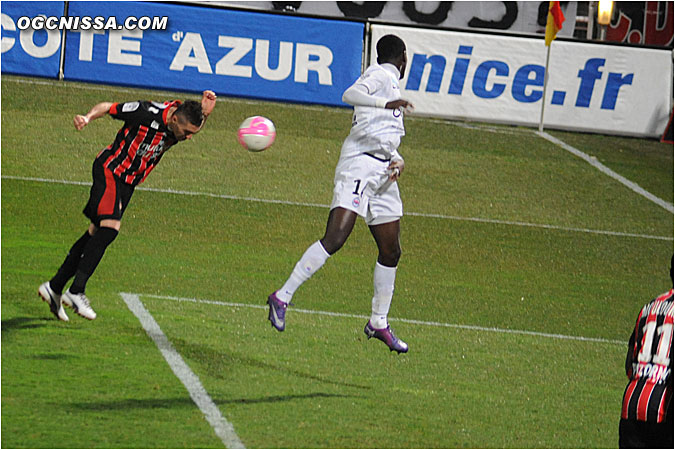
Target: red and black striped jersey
point(649, 363)
point(141, 142)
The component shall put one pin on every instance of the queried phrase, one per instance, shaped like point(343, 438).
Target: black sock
point(69, 266)
point(91, 256)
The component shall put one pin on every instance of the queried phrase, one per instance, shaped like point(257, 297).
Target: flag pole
point(543, 95)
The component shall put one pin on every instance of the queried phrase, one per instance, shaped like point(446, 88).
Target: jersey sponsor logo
point(130, 107)
point(154, 125)
point(154, 150)
point(356, 202)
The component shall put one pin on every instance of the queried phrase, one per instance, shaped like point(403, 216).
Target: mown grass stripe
point(318, 205)
point(224, 429)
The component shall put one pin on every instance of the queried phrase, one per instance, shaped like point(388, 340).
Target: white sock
point(312, 260)
point(383, 279)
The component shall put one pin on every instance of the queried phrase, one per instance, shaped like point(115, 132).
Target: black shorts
point(109, 196)
point(637, 434)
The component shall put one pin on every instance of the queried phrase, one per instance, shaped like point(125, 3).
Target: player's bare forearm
point(99, 110)
point(208, 103)
point(404, 104)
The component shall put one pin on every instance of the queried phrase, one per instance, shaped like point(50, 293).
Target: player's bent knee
point(331, 246)
point(333, 243)
point(390, 258)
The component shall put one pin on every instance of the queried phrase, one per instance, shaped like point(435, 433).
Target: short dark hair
point(389, 48)
point(191, 111)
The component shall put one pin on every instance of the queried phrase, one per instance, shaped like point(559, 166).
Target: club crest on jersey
point(356, 202)
point(129, 107)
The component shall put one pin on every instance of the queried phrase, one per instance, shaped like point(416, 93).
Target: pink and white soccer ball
point(257, 133)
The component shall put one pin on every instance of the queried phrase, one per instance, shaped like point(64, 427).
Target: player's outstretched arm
point(357, 95)
point(99, 110)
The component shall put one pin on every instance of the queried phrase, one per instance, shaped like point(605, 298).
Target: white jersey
point(376, 130)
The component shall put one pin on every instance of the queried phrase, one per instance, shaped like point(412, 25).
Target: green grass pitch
point(506, 254)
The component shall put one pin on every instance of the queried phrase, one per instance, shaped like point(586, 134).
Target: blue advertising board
point(29, 51)
point(232, 52)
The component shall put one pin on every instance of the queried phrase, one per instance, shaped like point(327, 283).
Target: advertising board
point(231, 52)
point(458, 75)
point(599, 88)
point(29, 51)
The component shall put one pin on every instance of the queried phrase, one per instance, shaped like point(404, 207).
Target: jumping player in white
point(365, 185)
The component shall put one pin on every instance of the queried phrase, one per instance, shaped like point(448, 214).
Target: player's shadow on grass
point(187, 402)
point(52, 356)
point(284, 398)
point(11, 326)
point(135, 403)
point(21, 323)
point(218, 363)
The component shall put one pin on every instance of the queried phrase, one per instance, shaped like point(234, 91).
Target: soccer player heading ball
point(149, 130)
point(365, 185)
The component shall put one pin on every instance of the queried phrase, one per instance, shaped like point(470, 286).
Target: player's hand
point(80, 122)
point(404, 105)
point(208, 102)
point(395, 169)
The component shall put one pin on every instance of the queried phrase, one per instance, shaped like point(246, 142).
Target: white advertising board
point(596, 88)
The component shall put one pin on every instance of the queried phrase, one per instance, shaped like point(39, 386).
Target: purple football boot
point(277, 314)
point(387, 336)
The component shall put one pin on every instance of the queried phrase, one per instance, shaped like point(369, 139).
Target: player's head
point(190, 111)
point(186, 120)
point(391, 49)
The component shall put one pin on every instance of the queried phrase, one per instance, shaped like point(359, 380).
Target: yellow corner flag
point(554, 22)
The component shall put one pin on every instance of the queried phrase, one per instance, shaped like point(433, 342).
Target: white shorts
point(362, 185)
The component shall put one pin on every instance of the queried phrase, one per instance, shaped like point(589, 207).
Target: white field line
point(318, 205)
point(410, 321)
point(607, 171)
point(224, 429)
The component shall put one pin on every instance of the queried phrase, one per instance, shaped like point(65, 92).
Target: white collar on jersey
point(389, 67)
